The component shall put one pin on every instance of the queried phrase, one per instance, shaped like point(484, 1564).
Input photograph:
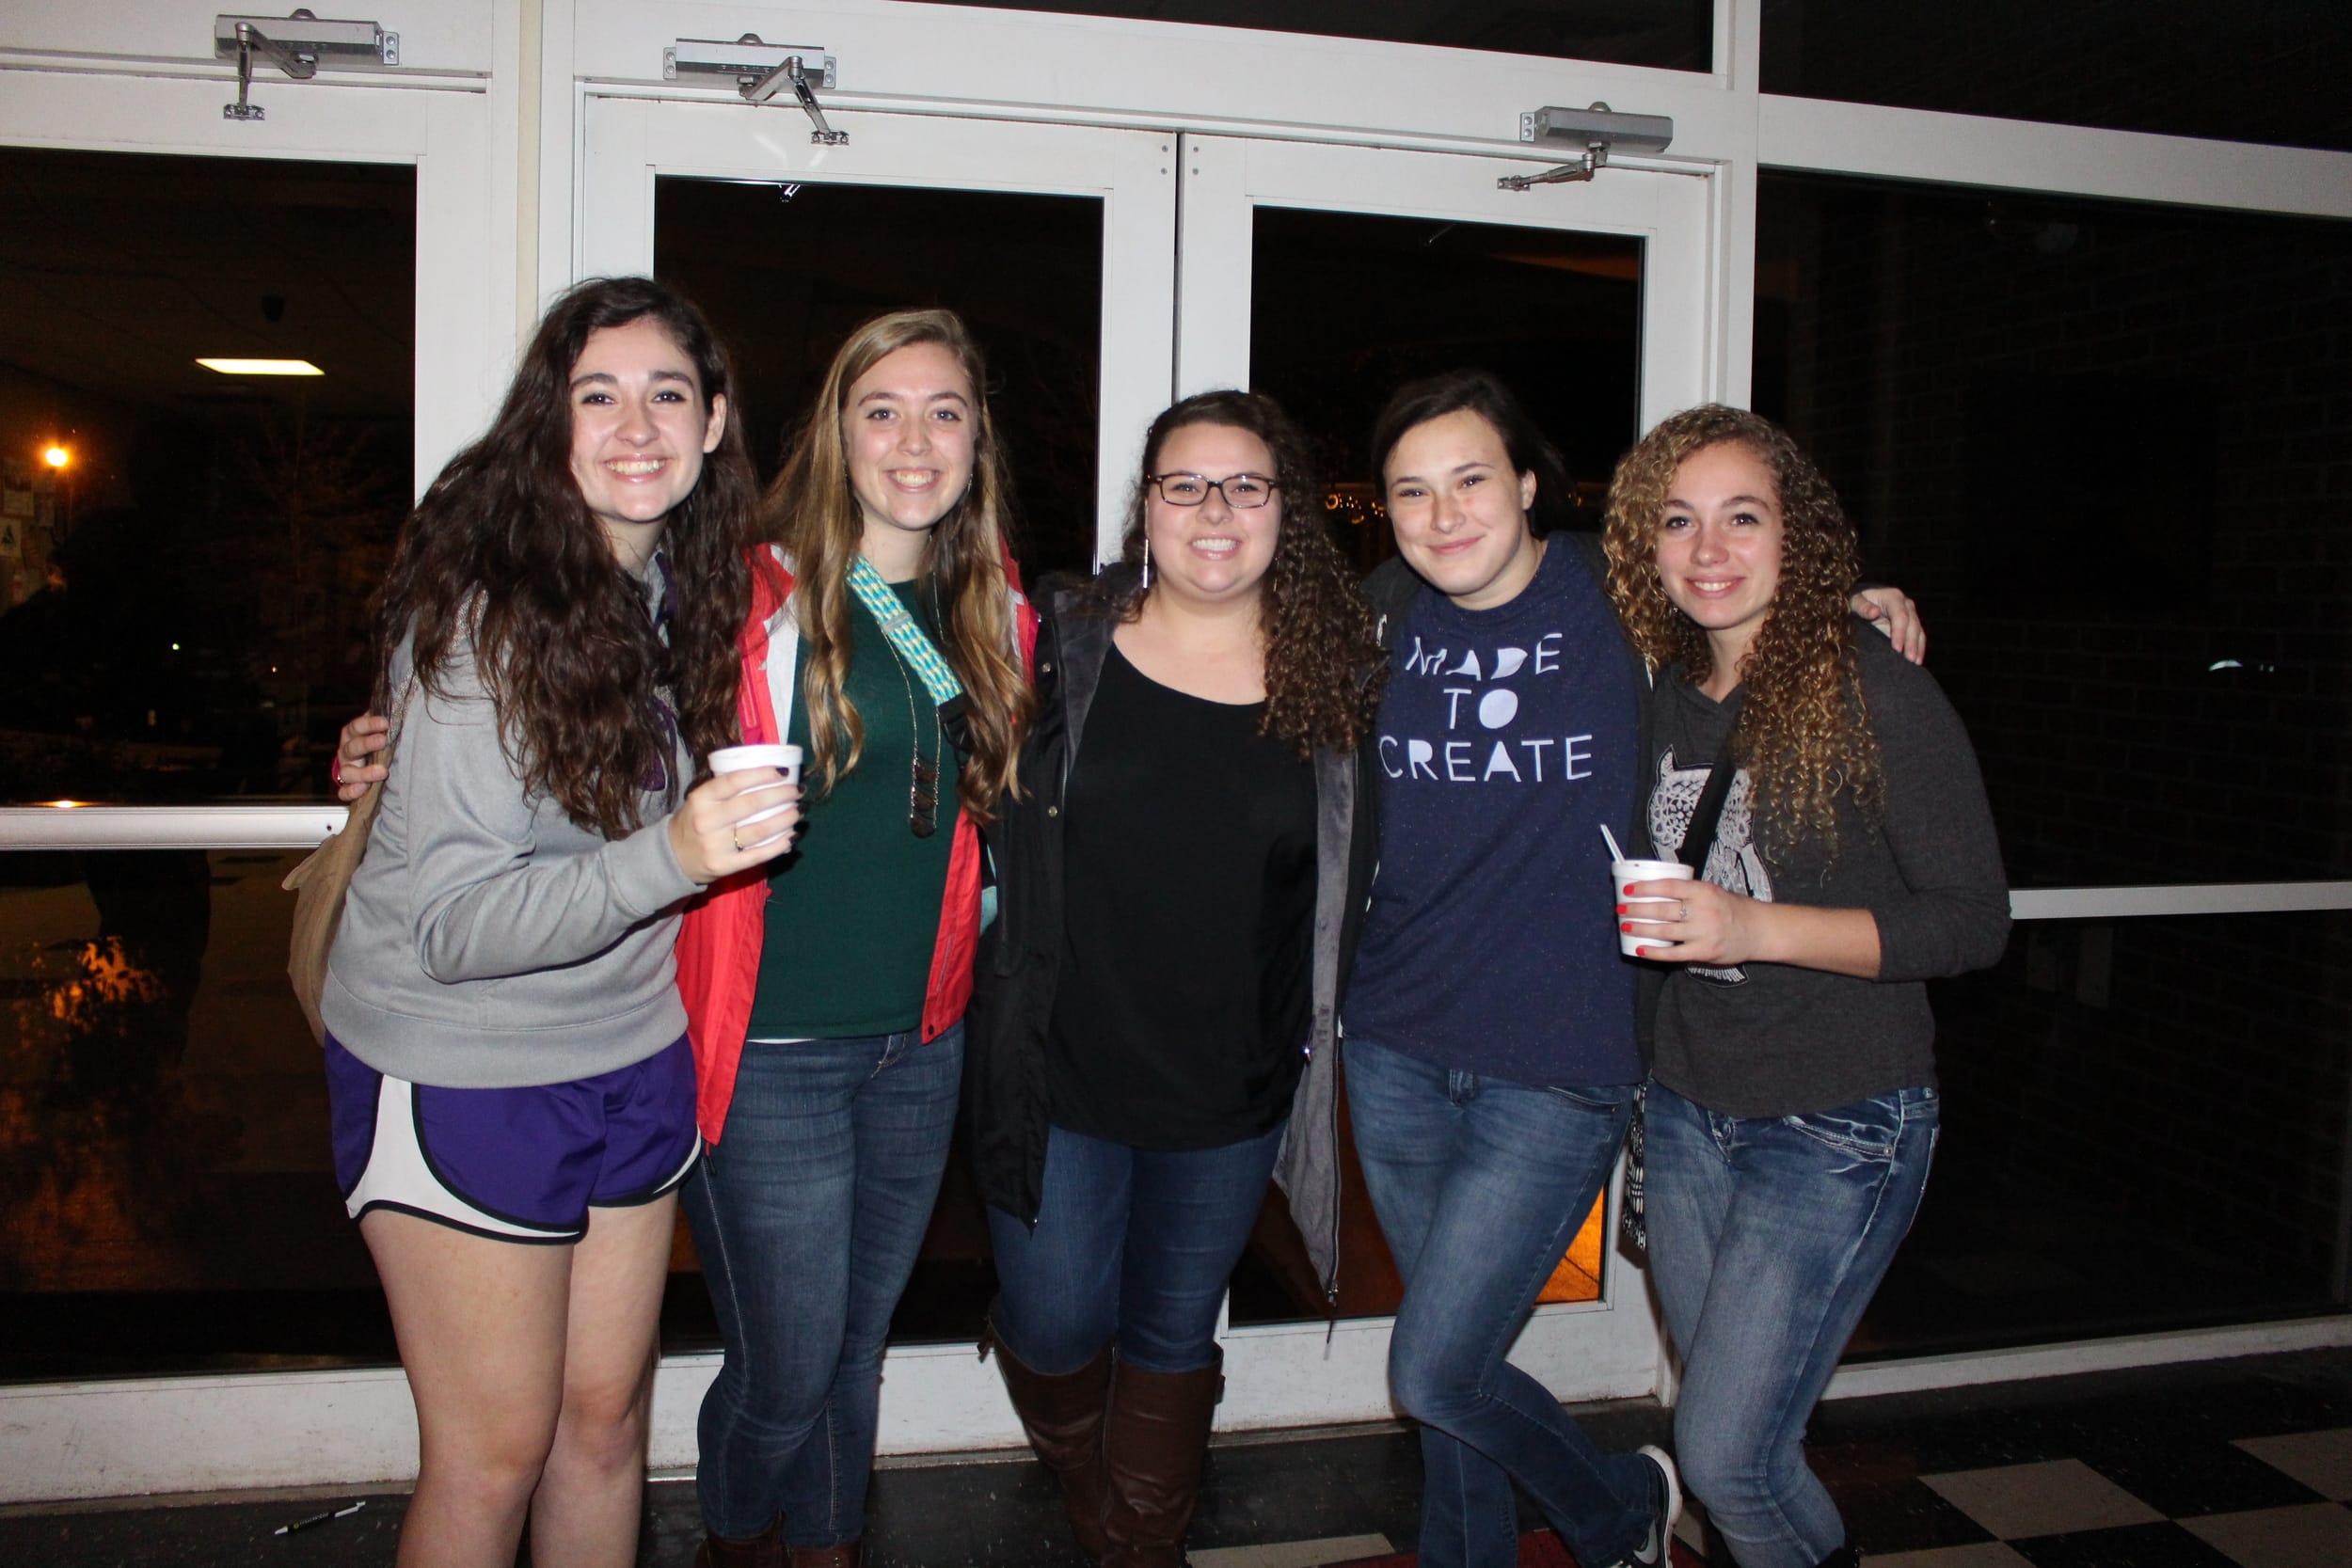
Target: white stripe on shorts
point(397, 1177)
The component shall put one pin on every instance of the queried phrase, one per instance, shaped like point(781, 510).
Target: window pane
point(1675, 35)
point(2262, 70)
point(185, 597)
point(2108, 446)
point(2144, 1129)
point(167, 1200)
point(785, 271)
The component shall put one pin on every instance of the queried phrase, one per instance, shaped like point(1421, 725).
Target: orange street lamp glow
point(56, 456)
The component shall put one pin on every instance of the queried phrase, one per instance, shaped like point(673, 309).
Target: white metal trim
point(301, 826)
point(1738, 44)
point(2014, 154)
point(1195, 69)
point(1966, 1370)
point(1159, 121)
point(162, 68)
point(94, 827)
point(2114, 903)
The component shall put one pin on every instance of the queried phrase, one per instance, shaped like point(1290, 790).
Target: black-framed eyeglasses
point(1242, 492)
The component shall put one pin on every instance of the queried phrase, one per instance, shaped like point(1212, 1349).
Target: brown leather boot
point(847, 1555)
point(764, 1550)
point(1154, 1444)
point(1062, 1413)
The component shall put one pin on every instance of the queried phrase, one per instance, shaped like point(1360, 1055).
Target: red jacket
point(718, 945)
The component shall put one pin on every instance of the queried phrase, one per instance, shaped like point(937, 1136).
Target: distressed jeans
point(1769, 1235)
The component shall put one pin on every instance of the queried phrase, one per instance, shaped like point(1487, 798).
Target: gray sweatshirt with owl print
point(1761, 1039)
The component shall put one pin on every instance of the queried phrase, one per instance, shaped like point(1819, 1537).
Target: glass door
point(1057, 245)
point(182, 586)
point(1328, 277)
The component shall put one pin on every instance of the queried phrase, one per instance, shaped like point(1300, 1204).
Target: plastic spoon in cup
point(1614, 853)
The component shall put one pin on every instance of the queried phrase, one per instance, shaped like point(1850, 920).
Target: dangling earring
point(1147, 564)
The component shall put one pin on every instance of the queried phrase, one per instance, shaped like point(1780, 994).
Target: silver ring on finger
point(1682, 909)
point(735, 836)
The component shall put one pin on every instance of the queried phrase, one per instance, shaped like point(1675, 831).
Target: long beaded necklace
point(923, 791)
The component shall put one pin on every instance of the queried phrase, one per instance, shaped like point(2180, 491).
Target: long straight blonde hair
point(812, 512)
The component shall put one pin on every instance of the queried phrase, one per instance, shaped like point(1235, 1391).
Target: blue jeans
point(1768, 1237)
point(808, 1214)
point(1132, 1244)
point(1480, 1185)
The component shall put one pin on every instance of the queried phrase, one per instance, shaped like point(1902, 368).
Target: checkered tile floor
point(2244, 1463)
point(2171, 1492)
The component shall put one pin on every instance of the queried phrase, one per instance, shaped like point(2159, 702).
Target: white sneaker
point(1657, 1546)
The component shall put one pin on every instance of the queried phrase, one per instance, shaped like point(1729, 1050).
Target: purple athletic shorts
point(516, 1164)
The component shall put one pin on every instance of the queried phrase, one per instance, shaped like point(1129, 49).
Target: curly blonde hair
point(1324, 669)
point(1803, 735)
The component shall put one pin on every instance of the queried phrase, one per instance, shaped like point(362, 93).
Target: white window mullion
point(1968, 149)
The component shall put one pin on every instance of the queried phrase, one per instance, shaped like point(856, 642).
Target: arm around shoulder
point(1953, 916)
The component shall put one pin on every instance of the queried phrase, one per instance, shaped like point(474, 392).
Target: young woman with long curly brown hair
point(1153, 1029)
point(826, 993)
point(506, 1056)
point(1791, 1114)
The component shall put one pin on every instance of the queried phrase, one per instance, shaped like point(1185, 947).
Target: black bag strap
point(1699, 837)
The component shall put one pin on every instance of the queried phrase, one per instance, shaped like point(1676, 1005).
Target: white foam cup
point(734, 759)
point(1623, 872)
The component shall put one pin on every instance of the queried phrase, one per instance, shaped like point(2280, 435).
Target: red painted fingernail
point(1626, 928)
point(1621, 908)
point(1628, 888)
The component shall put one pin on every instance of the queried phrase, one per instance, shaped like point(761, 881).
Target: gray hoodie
point(487, 941)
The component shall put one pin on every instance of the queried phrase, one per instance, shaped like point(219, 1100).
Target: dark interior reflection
point(1673, 35)
point(2267, 73)
point(2105, 445)
point(786, 270)
point(166, 1201)
point(183, 616)
point(2145, 1125)
point(1347, 307)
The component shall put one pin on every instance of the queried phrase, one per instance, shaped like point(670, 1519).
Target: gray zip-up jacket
point(487, 941)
